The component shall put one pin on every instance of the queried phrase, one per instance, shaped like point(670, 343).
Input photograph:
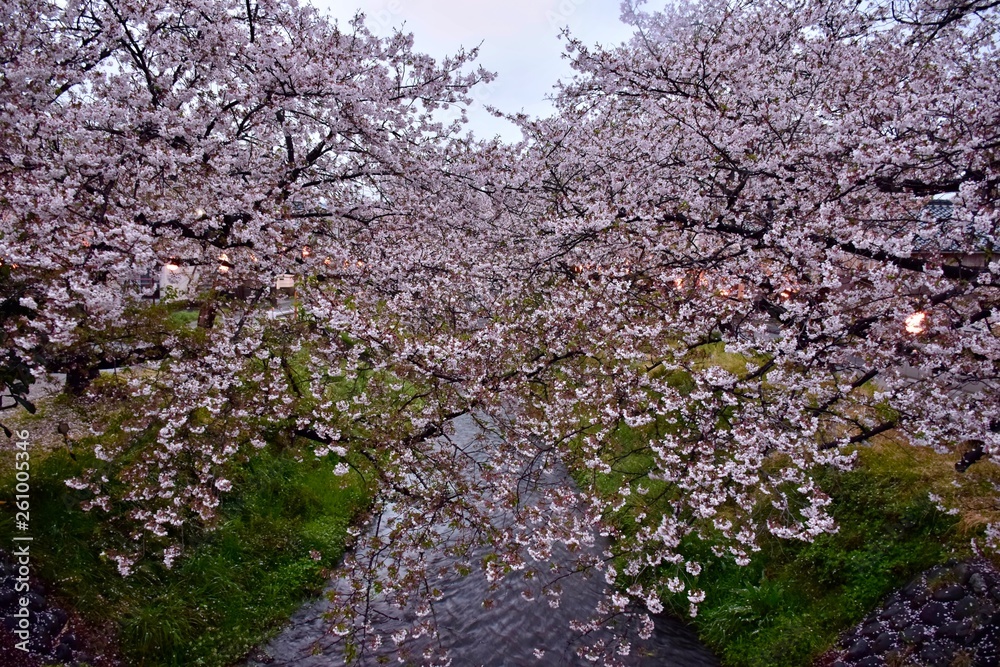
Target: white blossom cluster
point(712, 272)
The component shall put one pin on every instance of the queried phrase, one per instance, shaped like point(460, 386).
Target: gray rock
point(7, 598)
point(936, 655)
point(882, 643)
point(912, 588)
point(949, 593)
point(36, 602)
point(978, 583)
point(920, 598)
point(871, 661)
point(262, 657)
point(901, 621)
point(60, 617)
point(40, 642)
point(986, 608)
point(891, 611)
point(961, 573)
point(872, 629)
point(933, 614)
point(987, 653)
point(967, 608)
point(46, 622)
point(859, 650)
point(960, 630)
point(63, 653)
point(913, 634)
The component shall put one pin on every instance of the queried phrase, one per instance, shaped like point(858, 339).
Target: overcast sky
point(520, 42)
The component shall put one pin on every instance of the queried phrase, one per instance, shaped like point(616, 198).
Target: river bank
point(510, 625)
point(276, 538)
point(899, 512)
point(281, 537)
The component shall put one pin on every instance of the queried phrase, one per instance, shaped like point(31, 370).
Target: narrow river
point(509, 632)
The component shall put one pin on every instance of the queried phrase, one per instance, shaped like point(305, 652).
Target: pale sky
point(520, 42)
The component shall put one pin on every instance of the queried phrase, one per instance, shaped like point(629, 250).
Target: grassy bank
point(283, 525)
point(787, 607)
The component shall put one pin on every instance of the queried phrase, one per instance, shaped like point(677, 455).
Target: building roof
point(946, 234)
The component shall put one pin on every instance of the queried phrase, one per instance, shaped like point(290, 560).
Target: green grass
point(235, 585)
point(787, 607)
point(180, 318)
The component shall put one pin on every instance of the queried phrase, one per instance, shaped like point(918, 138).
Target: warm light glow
point(223, 268)
point(172, 267)
point(678, 282)
point(327, 261)
point(306, 251)
point(915, 323)
point(724, 292)
point(785, 294)
point(199, 212)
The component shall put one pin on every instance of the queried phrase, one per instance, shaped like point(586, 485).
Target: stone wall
point(948, 616)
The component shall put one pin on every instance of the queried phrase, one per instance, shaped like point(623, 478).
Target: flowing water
point(507, 632)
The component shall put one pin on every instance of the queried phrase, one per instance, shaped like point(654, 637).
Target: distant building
point(176, 281)
point(956, 244)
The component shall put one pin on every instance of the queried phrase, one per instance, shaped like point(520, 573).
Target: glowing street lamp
point(915, 323)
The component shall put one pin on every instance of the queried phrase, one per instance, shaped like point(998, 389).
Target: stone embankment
point(50, 640)
point(949, 616)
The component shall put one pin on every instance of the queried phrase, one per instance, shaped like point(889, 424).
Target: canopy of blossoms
point(763, 176)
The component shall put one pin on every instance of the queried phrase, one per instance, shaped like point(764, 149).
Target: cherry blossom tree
point(713, 270)
point(238, 141)
point(723, 267)
point(763, 177)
